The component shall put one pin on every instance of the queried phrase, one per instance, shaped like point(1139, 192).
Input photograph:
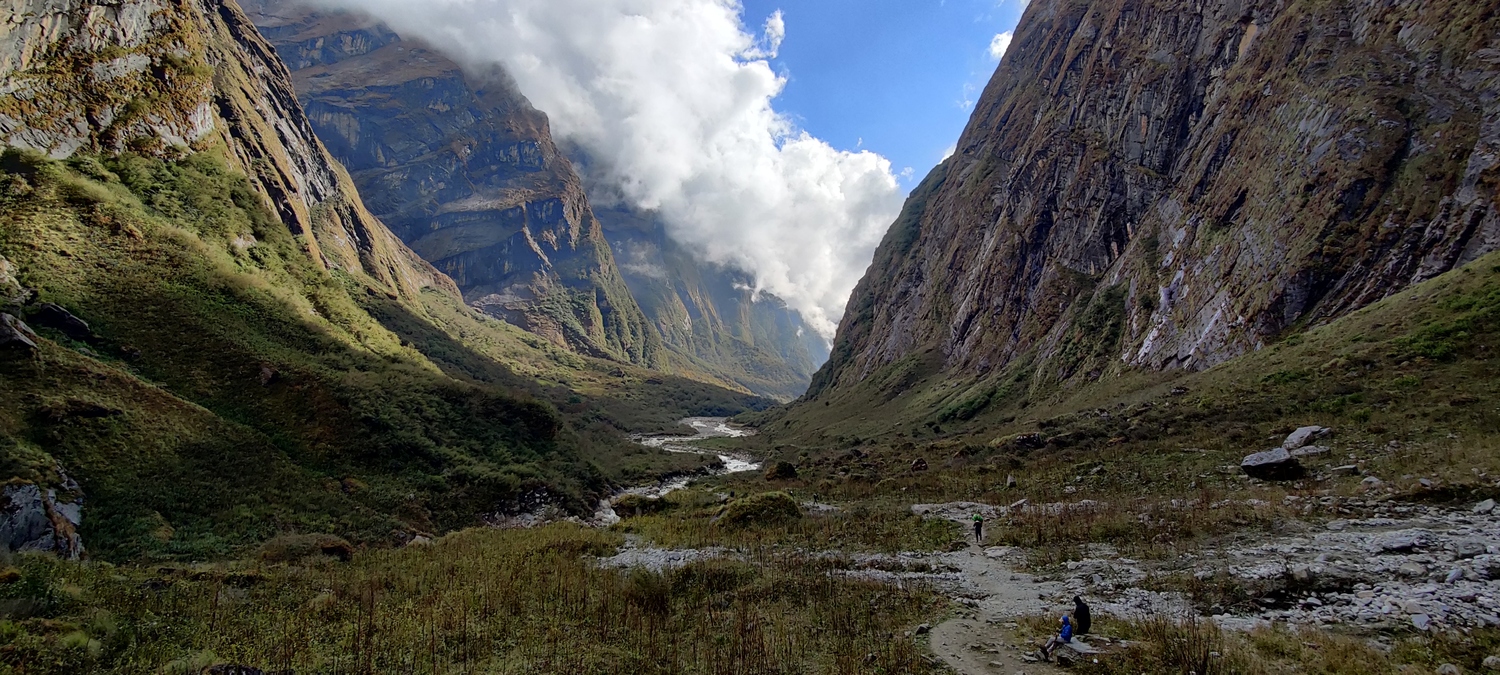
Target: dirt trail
point(980, 641)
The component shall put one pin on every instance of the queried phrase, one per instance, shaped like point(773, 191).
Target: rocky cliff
point(464, 169)
point(709, 316)
point(203, 326)
point(1159, 184)
point(167, 78)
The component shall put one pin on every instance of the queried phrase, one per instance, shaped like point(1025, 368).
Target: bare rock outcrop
point(32, 518)
point(1167, 185)
point(172, 78)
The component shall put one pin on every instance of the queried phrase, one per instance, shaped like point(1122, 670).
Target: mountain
point(709, 316)
point(1151, 186)
point(207, 340)
point(464, 169)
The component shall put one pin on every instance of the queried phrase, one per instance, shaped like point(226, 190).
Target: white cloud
point(1000, 44)
point(948, 152)
point(672, 100)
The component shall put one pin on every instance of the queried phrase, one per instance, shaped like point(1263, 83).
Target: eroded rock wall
point(173, 77)
point(464, 169)
point(1161, 184)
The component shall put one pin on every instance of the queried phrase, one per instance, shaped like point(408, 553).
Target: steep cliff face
point(168, 78)
point(462, 168)
point(202, 324)
point(709, 316)
point(1160, 184)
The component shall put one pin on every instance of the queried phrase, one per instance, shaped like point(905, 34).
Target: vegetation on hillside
point(232, 389)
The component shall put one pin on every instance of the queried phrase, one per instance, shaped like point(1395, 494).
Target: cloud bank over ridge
point(672, 102)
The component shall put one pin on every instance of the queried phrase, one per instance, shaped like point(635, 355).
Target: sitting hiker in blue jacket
point(1063, 636)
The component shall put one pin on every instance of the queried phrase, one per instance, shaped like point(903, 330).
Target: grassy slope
point(1416, 366)
point(238, 391)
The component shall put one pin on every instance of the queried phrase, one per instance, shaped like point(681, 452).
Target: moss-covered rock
point(770, 508)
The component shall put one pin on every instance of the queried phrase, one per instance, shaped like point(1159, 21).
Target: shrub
point(294, 547)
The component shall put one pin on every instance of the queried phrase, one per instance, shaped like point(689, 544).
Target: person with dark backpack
point(1081, 617)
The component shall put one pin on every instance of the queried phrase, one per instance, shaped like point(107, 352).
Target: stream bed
point(704, 428)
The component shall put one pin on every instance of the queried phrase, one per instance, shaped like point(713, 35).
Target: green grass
point(237, 390)
point(478, 601)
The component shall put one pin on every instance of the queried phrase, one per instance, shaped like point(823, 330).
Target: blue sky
point(899, 75)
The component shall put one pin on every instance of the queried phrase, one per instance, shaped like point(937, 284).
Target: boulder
point(32, 519)
point(1301, 437)
point(1310, 451)
point(15, 335)
point(1421, 621)
point(1485, 507)
point(61, 320)
point(918, 465)
point(1448, 669)
point(770, 508)
point(781, 471)
point(1492, 662)
point(1402, 541)
point(1275, 464)
point(1464, 549)
point(12, 293)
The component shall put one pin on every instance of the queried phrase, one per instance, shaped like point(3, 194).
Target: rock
point(1412, 569)
point(1421, 621)
point(227, 669)
point(61, 320)
point(781, 471)
point(1485, 507)
point(1311, 451)
point(1010, 482)
point(1401, 541)
point(1448, 669)
point(1276, 464)
point(924, 629)
point(1371, 483)
point(12, 294)
point(918, 465)
point(1337, 525)
point(1301, 437)
point(1464, 549)
point(1492, 662)
point(762, 509)
point(15, 335)
point(420, 540)
point(32, 519)
point(1346, 470)
point(1453, 576)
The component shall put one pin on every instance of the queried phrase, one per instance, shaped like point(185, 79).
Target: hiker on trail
point(978, 529)
point(1063, 636)
point(1082, 618)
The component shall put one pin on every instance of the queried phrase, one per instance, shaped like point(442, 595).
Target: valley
point(320, 354)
